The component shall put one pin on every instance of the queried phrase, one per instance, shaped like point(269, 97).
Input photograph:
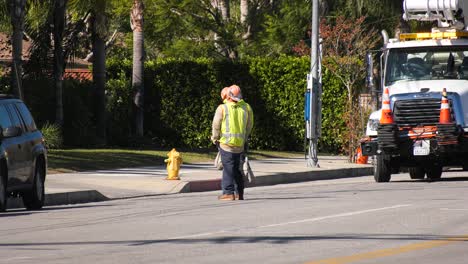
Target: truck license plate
point(421, 148)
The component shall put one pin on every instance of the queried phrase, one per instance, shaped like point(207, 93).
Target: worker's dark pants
point(232, 176)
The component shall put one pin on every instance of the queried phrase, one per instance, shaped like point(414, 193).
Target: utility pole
point(313, 102)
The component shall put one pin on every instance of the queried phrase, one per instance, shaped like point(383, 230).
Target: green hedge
point(181, 97)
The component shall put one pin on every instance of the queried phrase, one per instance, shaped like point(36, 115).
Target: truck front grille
point(418, 112)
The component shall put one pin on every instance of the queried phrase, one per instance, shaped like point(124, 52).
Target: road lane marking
point(293, 222)
point(15, 258)
point(453, 209)
point(337, 215)
point(199, 235)
point(392, 251)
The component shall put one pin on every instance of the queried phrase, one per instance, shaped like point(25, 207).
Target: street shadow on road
point(22, 211)
point(450, 179)
point(272, 198)
point(249, 240)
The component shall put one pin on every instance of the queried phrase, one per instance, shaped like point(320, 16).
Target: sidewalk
point(72, 188)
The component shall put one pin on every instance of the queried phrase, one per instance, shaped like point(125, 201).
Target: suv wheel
point(34, 200)
point(3, 193)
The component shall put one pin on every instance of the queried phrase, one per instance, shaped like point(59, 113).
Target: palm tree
point(99, 30)
point(136, 21)
point(60, 7)
point(17, 11)
point(54, 38)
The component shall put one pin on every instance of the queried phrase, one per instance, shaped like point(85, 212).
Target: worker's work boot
point(239, 196)
point(226, 197)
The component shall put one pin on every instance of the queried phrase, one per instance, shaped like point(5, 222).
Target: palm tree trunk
point(136, 19)
point(59, 24)
point(99, 74)
point(17, 10)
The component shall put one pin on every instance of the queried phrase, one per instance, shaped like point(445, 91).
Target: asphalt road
point(339, 221)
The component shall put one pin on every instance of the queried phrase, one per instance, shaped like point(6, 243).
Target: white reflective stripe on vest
point(226, 113)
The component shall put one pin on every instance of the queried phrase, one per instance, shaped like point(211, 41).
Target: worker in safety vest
point(232, 124)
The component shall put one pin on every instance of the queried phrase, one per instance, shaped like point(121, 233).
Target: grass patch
point(70, 160)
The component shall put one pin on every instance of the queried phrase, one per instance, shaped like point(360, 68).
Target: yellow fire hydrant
point(173, 161)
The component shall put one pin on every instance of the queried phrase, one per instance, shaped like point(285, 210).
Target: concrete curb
point(284, 178)
point(73, 197)
point(88, 196)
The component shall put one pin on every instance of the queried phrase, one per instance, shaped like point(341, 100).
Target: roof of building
point(6, 53)
point(6, 49)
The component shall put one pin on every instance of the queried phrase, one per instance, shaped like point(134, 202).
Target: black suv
point(23, 156)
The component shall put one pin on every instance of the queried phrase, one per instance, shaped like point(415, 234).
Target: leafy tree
point(283, 26)
point(345, 44)
point(382, 14)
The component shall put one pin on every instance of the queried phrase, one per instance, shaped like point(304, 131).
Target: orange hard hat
point(235, 93)
point(224, 93)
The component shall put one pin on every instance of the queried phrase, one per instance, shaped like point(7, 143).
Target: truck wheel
point(417, 173)
point(34, 200)
point(3, 193)
point(382, 168)
point(434, 172)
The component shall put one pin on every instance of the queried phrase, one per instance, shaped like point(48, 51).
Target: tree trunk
point(222, 7)
point(17, 10)
point(324, 8)
point(99, 74)
point(244, 11)
point(136, 18)
point(225, 10)
point(59, 61)
point(245, 20)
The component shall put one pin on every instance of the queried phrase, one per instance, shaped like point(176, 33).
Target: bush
point(181, 97)
point(52, 135)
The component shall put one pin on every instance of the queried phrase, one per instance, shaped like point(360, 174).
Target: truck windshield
point(427, 63)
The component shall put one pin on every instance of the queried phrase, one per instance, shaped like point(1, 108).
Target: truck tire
point(34, 200)
point(434, 172)
point(382, 168)
point(417, 173)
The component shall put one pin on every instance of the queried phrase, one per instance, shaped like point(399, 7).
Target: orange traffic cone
point(445, 116)
point(386, 117)
point(361, 159)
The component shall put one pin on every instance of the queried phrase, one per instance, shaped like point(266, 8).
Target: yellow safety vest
point(234, 125)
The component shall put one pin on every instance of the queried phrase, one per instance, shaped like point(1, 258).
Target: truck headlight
point(373, 124)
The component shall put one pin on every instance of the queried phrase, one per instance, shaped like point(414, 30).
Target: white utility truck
point(416, 69)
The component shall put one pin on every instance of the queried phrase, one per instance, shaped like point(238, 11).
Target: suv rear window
point(5, 121)
point(27, 118)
